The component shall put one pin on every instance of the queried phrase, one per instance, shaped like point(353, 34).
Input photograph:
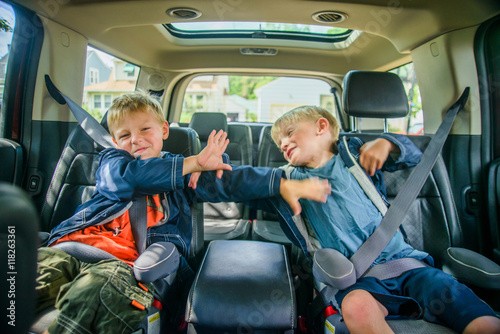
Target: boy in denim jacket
point(308, 138)
point(104, 297)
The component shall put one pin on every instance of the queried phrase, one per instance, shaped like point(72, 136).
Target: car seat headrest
point(204, 122)
point(374, 95)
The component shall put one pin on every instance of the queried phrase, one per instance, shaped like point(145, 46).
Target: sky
point(6, 13)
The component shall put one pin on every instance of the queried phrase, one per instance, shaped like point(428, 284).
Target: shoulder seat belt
point(138, 210)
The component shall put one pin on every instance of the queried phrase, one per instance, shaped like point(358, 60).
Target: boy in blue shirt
point(308, 138)
point(104, 297)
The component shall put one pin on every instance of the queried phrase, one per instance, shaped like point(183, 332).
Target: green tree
point(245, 86)
point(4, 25)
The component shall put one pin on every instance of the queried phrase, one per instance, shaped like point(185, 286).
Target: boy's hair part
point(304, 113)
point(130, 103)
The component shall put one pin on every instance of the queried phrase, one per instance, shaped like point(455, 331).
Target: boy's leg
point(55, 268)
point(482, 325)
point(103, 298)
point(444, 299)
point(363, 313)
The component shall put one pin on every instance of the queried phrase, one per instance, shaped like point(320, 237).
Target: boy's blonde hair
point(130, 103)
point(305, 113)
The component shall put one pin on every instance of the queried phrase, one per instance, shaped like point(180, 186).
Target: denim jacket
point(121, 178)
point(409, 157)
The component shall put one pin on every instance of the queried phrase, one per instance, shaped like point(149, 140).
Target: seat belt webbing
point(375, 244)
point(88, 123)
point(139, 223)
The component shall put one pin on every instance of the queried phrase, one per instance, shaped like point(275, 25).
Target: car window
point(413, 124)
point(7, 23)
point(106, 78)
point(253, 98)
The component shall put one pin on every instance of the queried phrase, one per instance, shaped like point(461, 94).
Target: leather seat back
point(227, 220)
point(12, 161)
point(18, 246)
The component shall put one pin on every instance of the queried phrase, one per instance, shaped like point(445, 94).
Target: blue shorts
point(424, 293)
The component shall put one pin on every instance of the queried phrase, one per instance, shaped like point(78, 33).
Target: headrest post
point(354, 124)
point(386, 125)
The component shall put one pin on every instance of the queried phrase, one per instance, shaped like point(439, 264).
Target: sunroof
point(258, 30)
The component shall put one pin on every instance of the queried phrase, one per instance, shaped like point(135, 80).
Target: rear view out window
point(414, 123)
point(106, 78)
point(253, 98)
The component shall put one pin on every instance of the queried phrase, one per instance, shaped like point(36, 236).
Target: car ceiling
point(133, 31)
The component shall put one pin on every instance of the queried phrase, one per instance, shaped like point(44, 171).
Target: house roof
point(241, 101)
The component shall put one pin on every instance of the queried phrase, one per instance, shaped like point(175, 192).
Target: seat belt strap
point(138, 216)
point(366, 183)
point(393, 268)
point(375, 244)
point(88, 123)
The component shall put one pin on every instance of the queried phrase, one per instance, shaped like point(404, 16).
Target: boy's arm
point(247, 183)
point(121, 177)
point(374, 155)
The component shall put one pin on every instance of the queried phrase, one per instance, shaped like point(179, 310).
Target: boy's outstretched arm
point(373, 154)
point(210, 158)
point(312, 189)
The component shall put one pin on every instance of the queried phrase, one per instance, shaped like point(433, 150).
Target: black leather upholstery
point(242, 286)
point(73, 181)
point(185, 141)
point(12, 161)
point(204, 122)
point(266, 227)
point(225, 221)
point(18, 248)
point(374, 95)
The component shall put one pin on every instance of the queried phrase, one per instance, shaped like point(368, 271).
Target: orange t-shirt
point(116, 236)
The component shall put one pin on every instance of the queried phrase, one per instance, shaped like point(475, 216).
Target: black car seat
point(19, 222)
point(12, 161)
point(267, 227)
point(73, 183)
point(225, 221)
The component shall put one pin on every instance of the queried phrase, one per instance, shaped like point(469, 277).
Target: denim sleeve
point(410, 154)
point(243, 183)
point(121, 177)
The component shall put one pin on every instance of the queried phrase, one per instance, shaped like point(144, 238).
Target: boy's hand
point(210, 158)
point(373, 154)
point(313, 189)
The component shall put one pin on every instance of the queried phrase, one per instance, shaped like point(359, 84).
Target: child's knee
point(359, 305)
point(355, 302)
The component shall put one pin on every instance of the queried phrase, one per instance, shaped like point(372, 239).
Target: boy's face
point(140, 134)
point(302, 143)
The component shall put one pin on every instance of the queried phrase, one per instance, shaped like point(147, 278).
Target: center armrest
point(243, 284)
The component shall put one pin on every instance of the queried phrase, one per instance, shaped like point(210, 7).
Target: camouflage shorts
point(101, 297)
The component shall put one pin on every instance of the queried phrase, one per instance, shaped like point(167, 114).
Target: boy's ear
point(322, 126)
point(165, 130)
